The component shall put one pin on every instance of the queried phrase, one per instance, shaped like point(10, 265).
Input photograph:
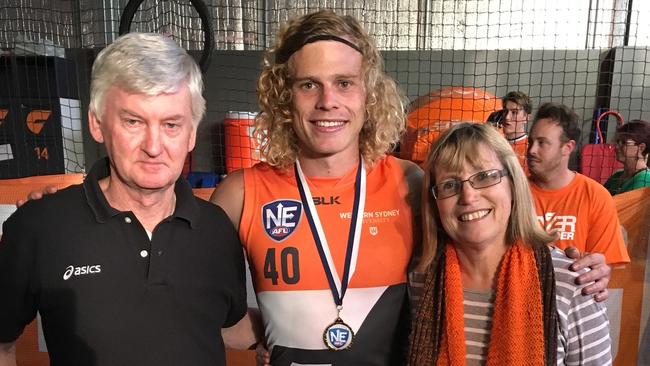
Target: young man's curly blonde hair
point(384, 116)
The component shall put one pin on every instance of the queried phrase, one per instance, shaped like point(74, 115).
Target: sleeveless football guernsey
point(292, 289)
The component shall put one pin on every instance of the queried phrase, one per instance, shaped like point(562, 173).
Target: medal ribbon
point(338, 287)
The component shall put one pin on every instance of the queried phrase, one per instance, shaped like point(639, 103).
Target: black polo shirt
point(107, 294)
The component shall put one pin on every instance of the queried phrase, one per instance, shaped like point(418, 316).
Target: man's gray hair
point(146, 63)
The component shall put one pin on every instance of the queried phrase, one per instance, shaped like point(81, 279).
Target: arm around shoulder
point(229, 195)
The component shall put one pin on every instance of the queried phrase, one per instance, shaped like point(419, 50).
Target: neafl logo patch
point(280, 218)
point(81, 271)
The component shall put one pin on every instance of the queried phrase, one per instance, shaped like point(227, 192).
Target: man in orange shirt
point(577, 208)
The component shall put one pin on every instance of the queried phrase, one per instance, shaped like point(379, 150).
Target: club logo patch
point(280, 218)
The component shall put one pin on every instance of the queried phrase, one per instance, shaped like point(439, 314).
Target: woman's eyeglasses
point(480, 180)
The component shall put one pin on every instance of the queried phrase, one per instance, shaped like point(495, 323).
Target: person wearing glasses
point(632, 149)
point(578, 209)
point(491, 274)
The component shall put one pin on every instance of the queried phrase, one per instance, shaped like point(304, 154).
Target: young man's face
point(548, 154)
point(514, 120)
point(329, 99)
point(146, 137)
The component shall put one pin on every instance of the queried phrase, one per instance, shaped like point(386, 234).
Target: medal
point(338, 335)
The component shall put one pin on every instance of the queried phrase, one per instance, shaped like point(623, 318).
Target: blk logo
point(331, 200)
point(280, 218)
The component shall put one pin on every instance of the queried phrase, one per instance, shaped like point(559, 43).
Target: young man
point(128, 268)
point(328, 221)
point(579, 209)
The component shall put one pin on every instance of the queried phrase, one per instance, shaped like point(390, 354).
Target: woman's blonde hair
point(384, 117)
point(456, 147)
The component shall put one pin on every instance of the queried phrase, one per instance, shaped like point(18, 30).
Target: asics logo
point(80, 271)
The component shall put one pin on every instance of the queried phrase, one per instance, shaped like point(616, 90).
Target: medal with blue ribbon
point(338, 335)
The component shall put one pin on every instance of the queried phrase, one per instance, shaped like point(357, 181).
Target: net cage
point(454, 59)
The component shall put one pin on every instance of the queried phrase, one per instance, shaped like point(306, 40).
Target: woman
point(490, 291)
point(632, 149)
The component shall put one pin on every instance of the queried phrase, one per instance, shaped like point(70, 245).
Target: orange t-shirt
point(584, 215)
point(520, 146)
point(292, 290)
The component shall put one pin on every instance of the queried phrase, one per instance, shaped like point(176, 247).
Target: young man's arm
point(229, 195)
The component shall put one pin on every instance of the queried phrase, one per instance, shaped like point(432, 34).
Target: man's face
point(514, 120)
point(328, 99)
point(146, 137)
point(548, 154)
point(628, 151)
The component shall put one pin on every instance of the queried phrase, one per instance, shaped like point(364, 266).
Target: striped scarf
point(524, 324)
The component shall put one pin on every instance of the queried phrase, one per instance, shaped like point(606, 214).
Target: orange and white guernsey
point(292, 289)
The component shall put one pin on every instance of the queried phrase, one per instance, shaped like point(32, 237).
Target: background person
point(577, 208)
point(495, 294)
point(513, 119)
point(517, 108)
point(632, 149)
point(128, 268)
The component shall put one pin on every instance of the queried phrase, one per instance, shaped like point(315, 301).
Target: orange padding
point(12, 190)
point(634, 213)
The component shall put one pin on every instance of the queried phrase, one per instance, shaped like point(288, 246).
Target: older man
point(128, 268)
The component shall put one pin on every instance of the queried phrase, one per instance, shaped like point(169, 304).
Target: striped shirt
point(478, 308)
point(583, 327)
